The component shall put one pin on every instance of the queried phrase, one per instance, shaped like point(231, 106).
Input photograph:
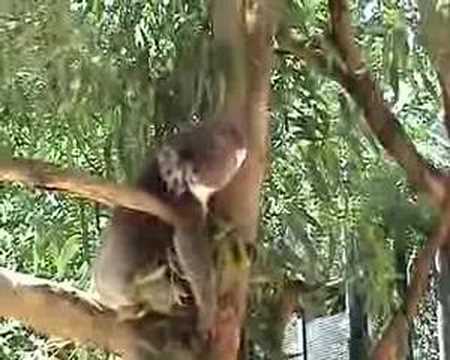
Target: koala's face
point(202, 162)
point(216, 159)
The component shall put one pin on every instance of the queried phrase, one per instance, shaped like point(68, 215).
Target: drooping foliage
point(95, 84)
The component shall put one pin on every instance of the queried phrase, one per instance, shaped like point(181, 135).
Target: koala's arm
point(194, 252)
point(133, 245)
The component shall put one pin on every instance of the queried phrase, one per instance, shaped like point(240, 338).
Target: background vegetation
point(93, 84)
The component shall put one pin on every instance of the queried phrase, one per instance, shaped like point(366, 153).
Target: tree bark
point(63, 311)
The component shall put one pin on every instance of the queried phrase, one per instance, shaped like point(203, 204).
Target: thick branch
point(386, 127)
point(342, 33)
point(62, 311)
point(44, 175)
point(238, 203)
point(357, 81)
point(243, 212)
point(69, 313)
point(227, 21)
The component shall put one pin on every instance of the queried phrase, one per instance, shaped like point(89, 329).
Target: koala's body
point(184, 173)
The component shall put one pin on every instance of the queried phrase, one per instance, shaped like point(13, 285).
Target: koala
point(130, 269)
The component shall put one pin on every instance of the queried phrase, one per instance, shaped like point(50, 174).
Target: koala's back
point(132, 241)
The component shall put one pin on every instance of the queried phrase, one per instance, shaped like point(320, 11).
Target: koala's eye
point(195, 169)
point(168, 172)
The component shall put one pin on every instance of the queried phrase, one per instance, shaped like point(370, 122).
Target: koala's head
point(216, 153)
point(202, 161)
